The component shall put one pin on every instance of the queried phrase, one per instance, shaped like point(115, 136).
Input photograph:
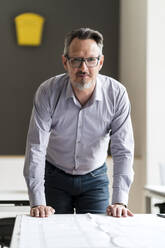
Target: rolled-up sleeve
point(37, 141)
point(122, 149)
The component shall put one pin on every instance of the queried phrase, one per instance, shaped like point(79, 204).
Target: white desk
point(153, 194)
point(89, 231)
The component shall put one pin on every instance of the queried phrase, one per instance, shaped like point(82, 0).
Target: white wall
point(142, 66)
point(133, 76)
point(133, 65)
point(155, 89)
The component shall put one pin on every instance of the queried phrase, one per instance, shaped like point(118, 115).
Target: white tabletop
point(89, 231)
point(157, 189)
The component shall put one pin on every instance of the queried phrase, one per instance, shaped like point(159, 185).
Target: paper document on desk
point(61, 231)
point(92, 231)
point(140, 231)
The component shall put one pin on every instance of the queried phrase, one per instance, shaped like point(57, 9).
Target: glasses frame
point(82, 60)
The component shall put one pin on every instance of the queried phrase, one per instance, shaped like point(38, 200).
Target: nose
point(83, 66)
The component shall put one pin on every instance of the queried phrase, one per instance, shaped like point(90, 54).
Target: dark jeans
point(85, 193)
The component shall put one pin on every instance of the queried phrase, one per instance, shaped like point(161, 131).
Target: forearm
point(36, 192)
point(34, 167)
point(34, 170)
point(122, 180)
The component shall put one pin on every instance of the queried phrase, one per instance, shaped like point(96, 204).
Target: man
point(74, 116)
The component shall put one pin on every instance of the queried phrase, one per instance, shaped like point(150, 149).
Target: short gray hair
point(83, 34)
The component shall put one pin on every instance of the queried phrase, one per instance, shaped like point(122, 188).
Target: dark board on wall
point(23, 69)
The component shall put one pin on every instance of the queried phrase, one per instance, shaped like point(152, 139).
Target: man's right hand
point(41, 211)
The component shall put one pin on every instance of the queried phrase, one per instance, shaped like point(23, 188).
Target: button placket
point(78, 138)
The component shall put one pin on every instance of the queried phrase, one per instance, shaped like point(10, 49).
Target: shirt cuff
point(119, 196)
point(37, 199)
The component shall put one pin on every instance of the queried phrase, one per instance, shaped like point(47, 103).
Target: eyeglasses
point(77, 62)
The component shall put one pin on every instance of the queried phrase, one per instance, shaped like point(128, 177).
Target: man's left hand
point(118, 210)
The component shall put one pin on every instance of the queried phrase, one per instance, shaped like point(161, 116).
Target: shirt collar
point(98, 94)
point(69, 91)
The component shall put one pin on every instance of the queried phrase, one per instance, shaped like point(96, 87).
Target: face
point(83, 77)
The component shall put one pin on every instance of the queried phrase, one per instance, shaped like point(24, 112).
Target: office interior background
point(134, 52)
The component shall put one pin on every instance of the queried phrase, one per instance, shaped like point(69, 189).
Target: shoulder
point(54, 82)
point(110, 84)
point(112, 89)
point(52, 86)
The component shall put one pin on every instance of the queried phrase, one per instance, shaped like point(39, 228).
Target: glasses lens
point(91, 62)
point(75, 62)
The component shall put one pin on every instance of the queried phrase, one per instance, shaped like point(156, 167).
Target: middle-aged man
point(74, 116)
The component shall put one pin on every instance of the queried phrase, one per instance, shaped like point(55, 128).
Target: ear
point(64, 62)
point(101, 61)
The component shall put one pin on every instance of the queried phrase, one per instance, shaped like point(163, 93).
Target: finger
point(36, 212)
point(129, 213)
point(109, 212)
point(124, 212)
point(48, 211)
point(113, 211)
point(31, 212)
point(52, 210)
point(119, 212)
point(42, 212)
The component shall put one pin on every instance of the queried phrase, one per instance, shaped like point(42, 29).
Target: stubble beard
point(82, 85)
